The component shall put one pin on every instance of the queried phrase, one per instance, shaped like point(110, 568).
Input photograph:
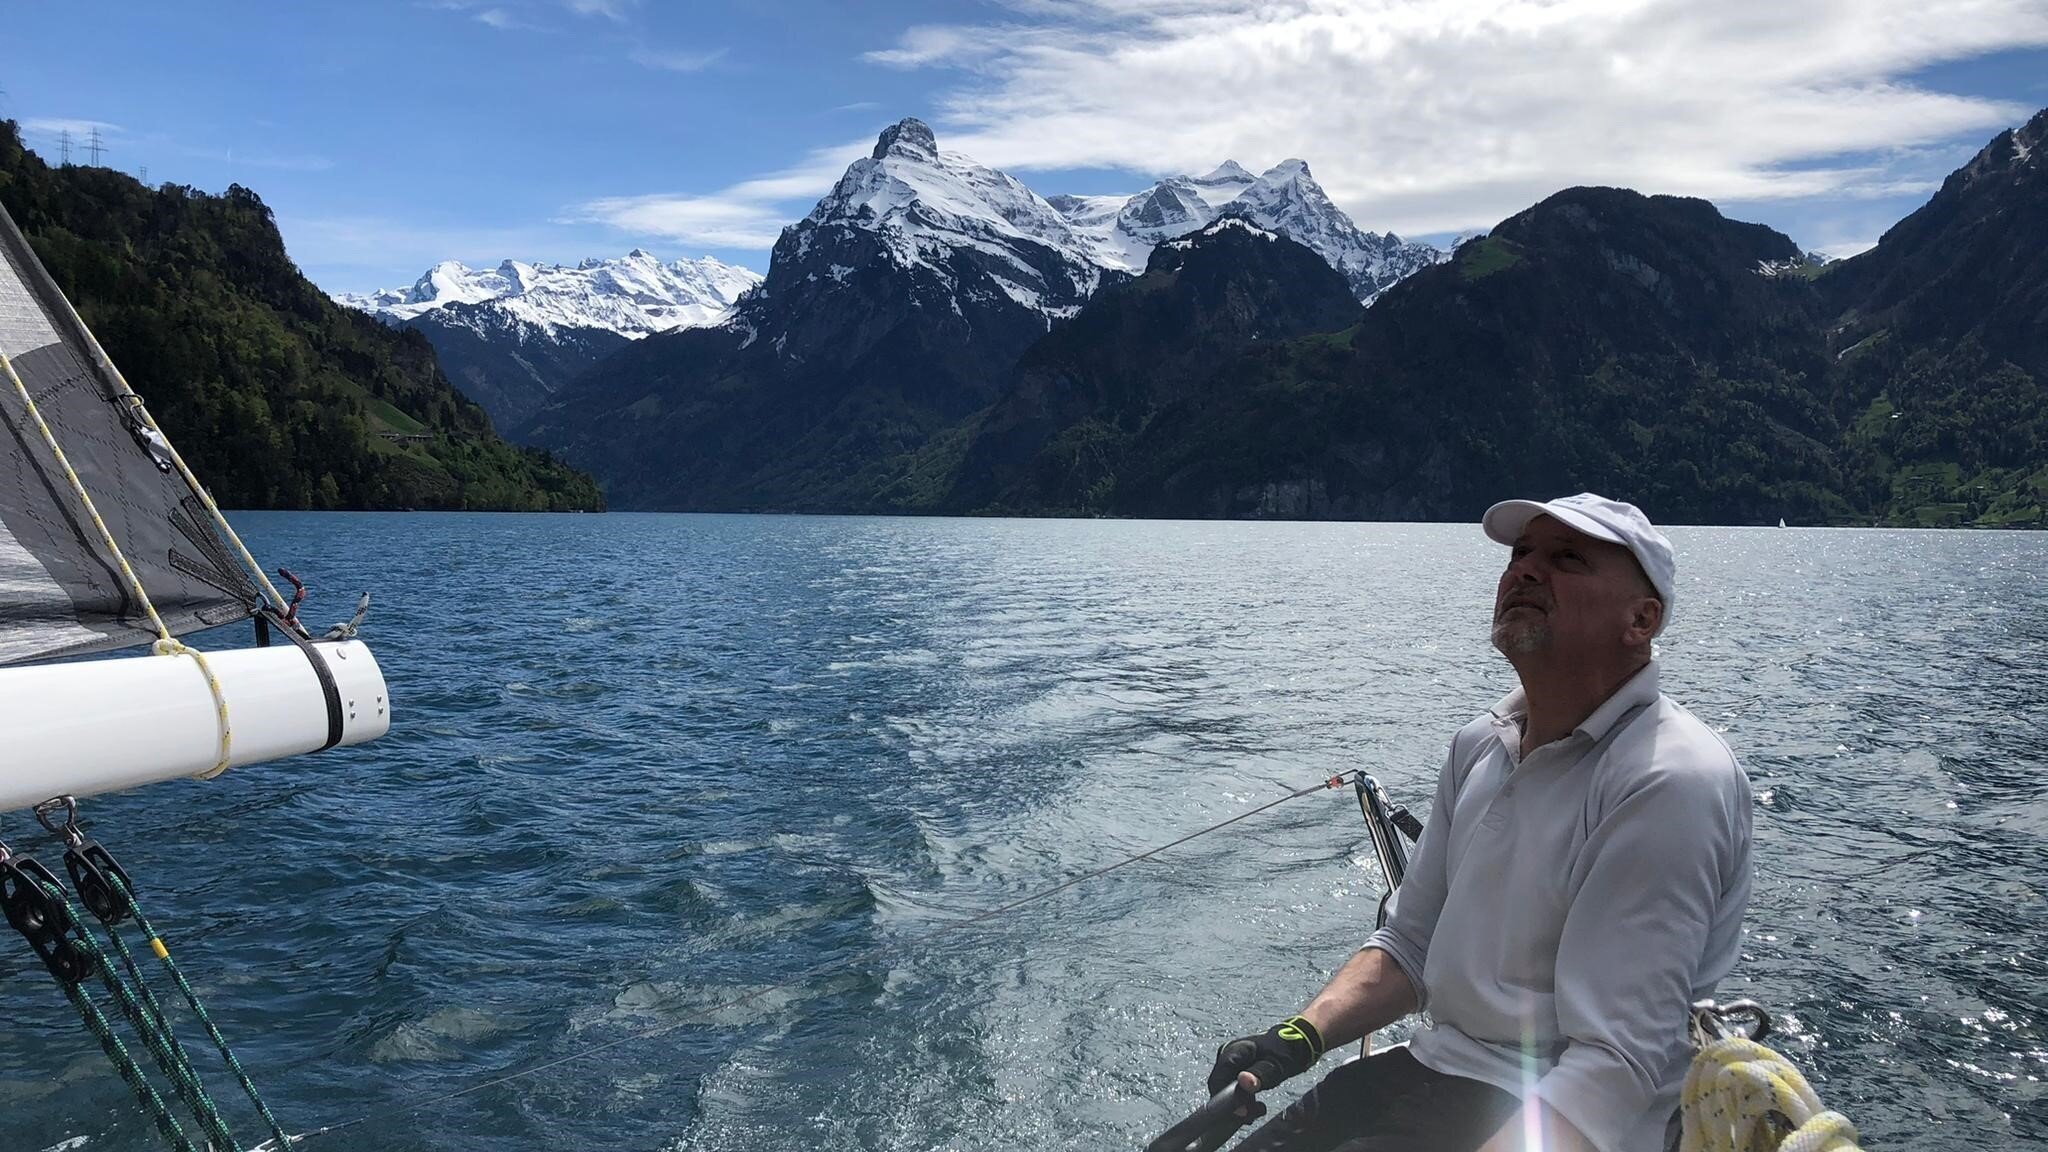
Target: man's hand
point(1259, 1062)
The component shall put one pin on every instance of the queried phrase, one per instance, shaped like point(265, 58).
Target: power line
point(92, 146)
point(64, 147)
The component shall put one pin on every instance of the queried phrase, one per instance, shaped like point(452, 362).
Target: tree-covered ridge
point(1644, 346)
point(278, 397)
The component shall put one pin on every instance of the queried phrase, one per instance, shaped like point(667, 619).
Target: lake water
point(645, 765)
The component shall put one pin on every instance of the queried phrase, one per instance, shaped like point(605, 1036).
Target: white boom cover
point(103, 725)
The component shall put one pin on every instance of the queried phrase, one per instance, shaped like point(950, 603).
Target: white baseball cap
point(1602, 519)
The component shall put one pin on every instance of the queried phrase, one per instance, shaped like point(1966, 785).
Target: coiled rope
point(1740, 1096)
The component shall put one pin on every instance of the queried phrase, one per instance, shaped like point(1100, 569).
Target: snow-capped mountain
point(893, 309)
point(976, 229)
point(1121, 231)
point(634, 295)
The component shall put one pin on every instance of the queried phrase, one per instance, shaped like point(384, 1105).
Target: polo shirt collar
point(1638, 689)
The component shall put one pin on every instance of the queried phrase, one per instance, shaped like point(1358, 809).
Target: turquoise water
point(645, 765)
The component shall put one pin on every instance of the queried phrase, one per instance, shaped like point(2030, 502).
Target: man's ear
point(1644, 620)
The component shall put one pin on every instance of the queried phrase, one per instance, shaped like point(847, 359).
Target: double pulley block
point(34, 902)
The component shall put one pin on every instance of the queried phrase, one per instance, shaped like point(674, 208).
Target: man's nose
point(1525, 568)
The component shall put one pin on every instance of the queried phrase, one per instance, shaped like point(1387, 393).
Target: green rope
point(227, 1054)
point(175, 1065)
point(195, 1095)
point(131, 1073)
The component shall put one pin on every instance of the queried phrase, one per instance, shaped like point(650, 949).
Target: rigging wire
point(819, 969)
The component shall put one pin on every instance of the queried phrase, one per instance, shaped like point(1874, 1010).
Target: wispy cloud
point(749, 214)
point(1431, 116)
point(671, 60)
point(947, 45)
point(502, 19)
point(613, 10)
point(58, 125)
point(505, 17)
point(858, 106)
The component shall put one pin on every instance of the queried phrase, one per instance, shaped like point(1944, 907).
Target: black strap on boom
point(328, 688)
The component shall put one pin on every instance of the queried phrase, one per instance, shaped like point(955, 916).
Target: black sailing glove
point(1286, 1049)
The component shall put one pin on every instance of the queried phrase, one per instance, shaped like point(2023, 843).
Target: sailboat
point(108, 541)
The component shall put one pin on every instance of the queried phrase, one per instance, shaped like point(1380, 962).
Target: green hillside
point(277, 396)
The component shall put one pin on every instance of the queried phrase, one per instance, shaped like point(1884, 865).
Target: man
point(1580, 881)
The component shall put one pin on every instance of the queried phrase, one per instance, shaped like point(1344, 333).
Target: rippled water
point(646, 765)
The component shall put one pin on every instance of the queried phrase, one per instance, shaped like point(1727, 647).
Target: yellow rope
point(1740, 1096)
point(166, 645)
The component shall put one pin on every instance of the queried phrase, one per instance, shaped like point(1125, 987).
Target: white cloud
point(749, 214)
point(940, 44)
point(613, 10)
point(675, 61)
point(501, 19)
point(1844, 249)
point(79, 129)
point(1430, 116)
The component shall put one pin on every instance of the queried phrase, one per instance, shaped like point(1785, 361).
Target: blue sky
point(389, 135)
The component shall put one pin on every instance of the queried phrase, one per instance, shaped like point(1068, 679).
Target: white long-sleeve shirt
point(1562, 911)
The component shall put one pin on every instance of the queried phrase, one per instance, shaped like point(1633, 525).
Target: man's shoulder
point(1673, 745)
point(1468, 741)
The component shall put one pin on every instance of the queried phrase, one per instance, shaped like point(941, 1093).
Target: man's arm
point(1631, 949)
point(1367, 994)
point(1382, 981)
point(1405, 938)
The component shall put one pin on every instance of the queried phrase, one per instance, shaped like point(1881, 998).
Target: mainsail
point(62, 591)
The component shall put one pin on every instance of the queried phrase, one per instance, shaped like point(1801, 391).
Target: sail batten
point(62, 590)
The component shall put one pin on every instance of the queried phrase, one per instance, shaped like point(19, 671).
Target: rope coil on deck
point(1740, 1096)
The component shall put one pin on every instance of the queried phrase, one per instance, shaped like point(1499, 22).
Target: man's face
point(1567, 594)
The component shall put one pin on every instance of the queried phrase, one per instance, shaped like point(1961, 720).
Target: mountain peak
point(632, 295)
point(1229, 170)
point(909, 137)
point(1288, 169)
